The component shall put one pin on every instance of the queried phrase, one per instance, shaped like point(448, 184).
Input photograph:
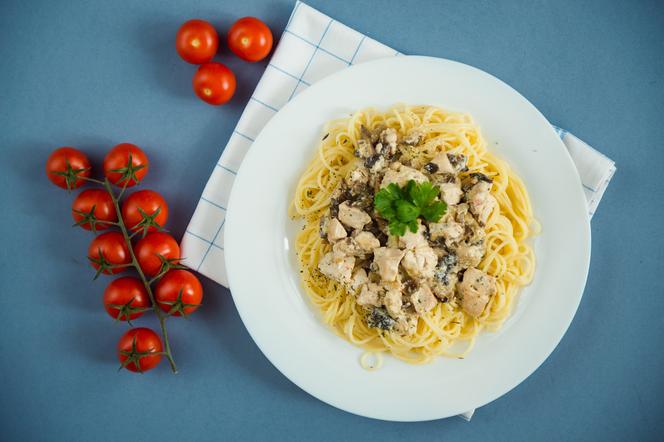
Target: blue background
point(93, 74)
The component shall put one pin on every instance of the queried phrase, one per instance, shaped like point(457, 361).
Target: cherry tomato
point(93, 205)
point(250, 39)
point(65, 167)
point(111, 249)
point(178, 292)
point(139, 349)
point(153, 207)
point(214, 83)
point(117, 168)
point(125, 298)
point(149, 249)
point(196, 41)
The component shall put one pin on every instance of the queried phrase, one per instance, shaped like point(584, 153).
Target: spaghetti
point(508, 256)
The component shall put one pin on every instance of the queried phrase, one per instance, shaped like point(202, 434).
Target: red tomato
point(149, 249)
point(250, 39)
point(214, 83)
point(119, 171)
point(153, 206)
point(196, 41)
point(139, 349)
point(65, 167)
point(93, 204)
point(125, 298)
point(178, 292)
point(108, 248)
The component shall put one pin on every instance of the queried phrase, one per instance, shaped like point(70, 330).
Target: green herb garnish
point(402, 206)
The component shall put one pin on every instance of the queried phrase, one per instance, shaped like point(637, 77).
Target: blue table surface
point(93, 74)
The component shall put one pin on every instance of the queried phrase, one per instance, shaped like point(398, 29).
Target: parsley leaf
point(401, 207)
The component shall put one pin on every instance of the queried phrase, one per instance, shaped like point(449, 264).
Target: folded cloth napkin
point(314, 46)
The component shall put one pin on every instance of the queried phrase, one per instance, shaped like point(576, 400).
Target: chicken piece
point(450, 231)
point(364, 145)
point(420, 263)
point(475, 290)
point(440, 164)
point(388, 138)
point(459, 162)
point(359, 175)
point(410, 240)
point(352, 216)
point(469, 255)
point(406, 325)
point(400, 175)
point(369, 295)
point(387, 260)
point(451, 193)
point(480, 201)
point(423, 299)
point(367, 241)
point(445, 291)
point(335, 231)
point(358, 279)
point(392, 299)
point(348, 246)
point(337, 266)
point(413, 138)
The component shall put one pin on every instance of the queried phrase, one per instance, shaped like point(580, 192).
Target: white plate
point(264, 275)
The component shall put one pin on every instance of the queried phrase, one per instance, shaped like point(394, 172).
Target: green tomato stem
point(134, 263)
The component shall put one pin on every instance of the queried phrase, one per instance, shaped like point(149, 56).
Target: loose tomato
point(196, 41)
point(139, 349)
point(178, 293)
point(108, 249)
point(250, 39)
point(66, 167)
point(145, 210)
point(120, 171)
point(214, 83)
point(92, 208)
point(126, 299)
point(155, 250)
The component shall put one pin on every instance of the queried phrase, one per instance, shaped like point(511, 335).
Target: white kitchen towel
point(314, 46)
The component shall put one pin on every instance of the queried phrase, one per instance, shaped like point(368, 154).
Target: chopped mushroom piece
point(420, 263)
point(387, 260)
point(476, 289)
point(352, 216)
point(423, 299)
point(335, 231)
point(369, 295)
point(400, 175)
point(337, 266)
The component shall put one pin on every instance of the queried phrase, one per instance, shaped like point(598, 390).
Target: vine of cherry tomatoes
point(135, 240)
point(197, 42)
